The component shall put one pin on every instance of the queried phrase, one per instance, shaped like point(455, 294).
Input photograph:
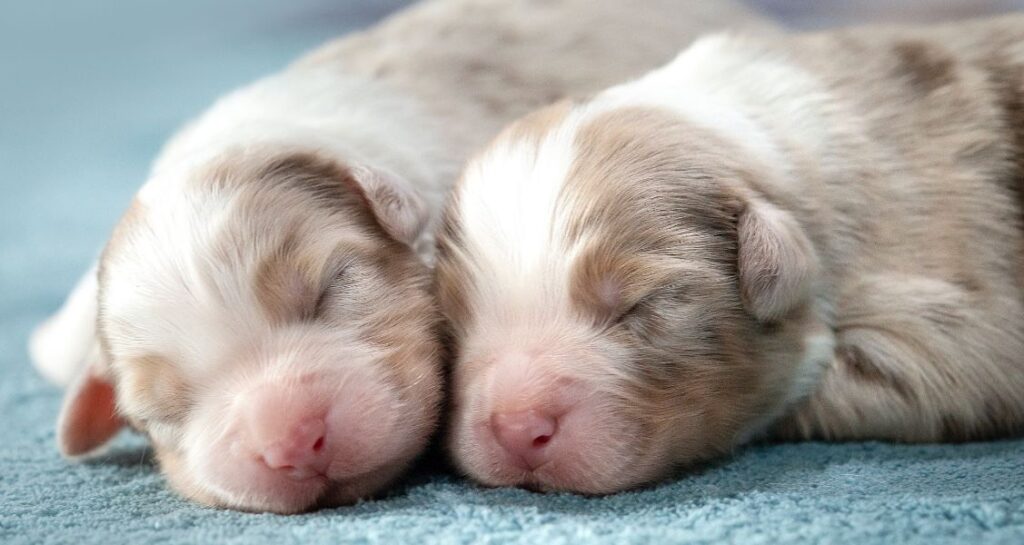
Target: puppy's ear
point(88, 418)
point(397, 206)
point(776, 261)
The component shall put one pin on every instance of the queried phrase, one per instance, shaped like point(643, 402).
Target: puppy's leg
point(61, 346)
point(919, 359)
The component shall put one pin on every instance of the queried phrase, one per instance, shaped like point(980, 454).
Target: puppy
point(262, 311)
point(810, 237)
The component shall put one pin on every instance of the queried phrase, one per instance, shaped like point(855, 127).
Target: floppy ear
point(776, 261)
point(399, 209)
point(88, 418)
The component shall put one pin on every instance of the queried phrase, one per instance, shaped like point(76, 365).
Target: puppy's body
point(817, 236)
point(914, 205)
point(261, 311)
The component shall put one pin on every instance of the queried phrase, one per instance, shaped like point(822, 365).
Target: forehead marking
point(185, 267)
point(510, 198)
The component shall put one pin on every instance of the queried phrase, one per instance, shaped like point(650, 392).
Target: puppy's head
point(621, 302)
point(264, 320)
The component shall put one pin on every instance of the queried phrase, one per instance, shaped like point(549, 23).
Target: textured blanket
point(87, 94)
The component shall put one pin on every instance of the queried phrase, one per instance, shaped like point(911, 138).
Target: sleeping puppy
point(808, 237)
point(262, 311)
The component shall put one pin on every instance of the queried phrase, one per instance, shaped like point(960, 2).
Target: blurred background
point(90, 90)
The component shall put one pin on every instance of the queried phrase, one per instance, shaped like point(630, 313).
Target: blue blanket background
point(88, 91)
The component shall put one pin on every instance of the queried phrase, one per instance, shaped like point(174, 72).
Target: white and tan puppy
point(262, 310)
point(811, 237)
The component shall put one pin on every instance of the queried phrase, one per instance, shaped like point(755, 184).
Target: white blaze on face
point(540, 370)
point(511, 198)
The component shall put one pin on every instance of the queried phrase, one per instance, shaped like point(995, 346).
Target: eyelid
point(339, 270)
point(338, 265)
point(660, 290)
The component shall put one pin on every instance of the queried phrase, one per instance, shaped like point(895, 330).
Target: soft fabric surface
point(87, 94)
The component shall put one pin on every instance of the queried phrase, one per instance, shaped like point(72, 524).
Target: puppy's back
point(538, 54)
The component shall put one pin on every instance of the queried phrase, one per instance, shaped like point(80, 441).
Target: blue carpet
point(87, 94)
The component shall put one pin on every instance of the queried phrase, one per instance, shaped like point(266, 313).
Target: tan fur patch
point(625, 189)
point(155, 385)
point(328, 182)
point(292, 272)
point(928, 68)
point(659, 228)
point(451, 278)
point(288, 281)
point(860, 367)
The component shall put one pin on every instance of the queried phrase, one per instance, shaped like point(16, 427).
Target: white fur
point(517, 221)
point(58, 345)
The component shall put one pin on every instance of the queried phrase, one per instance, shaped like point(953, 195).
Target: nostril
point(302, 449)
point(525, 436)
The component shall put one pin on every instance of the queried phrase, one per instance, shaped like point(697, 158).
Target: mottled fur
point(807, 237)
point(283, 238)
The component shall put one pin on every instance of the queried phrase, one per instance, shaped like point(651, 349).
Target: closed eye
point(677, 292)
point(338, 281)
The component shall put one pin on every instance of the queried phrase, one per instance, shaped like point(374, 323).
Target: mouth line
point(333, 487)
point(527, 470)
point(353, 476)
point(532, 482)
point(340, 483)
point(319, 477)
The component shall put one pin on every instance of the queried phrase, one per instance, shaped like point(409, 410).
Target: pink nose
point(525, 436)
point(299, 452)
